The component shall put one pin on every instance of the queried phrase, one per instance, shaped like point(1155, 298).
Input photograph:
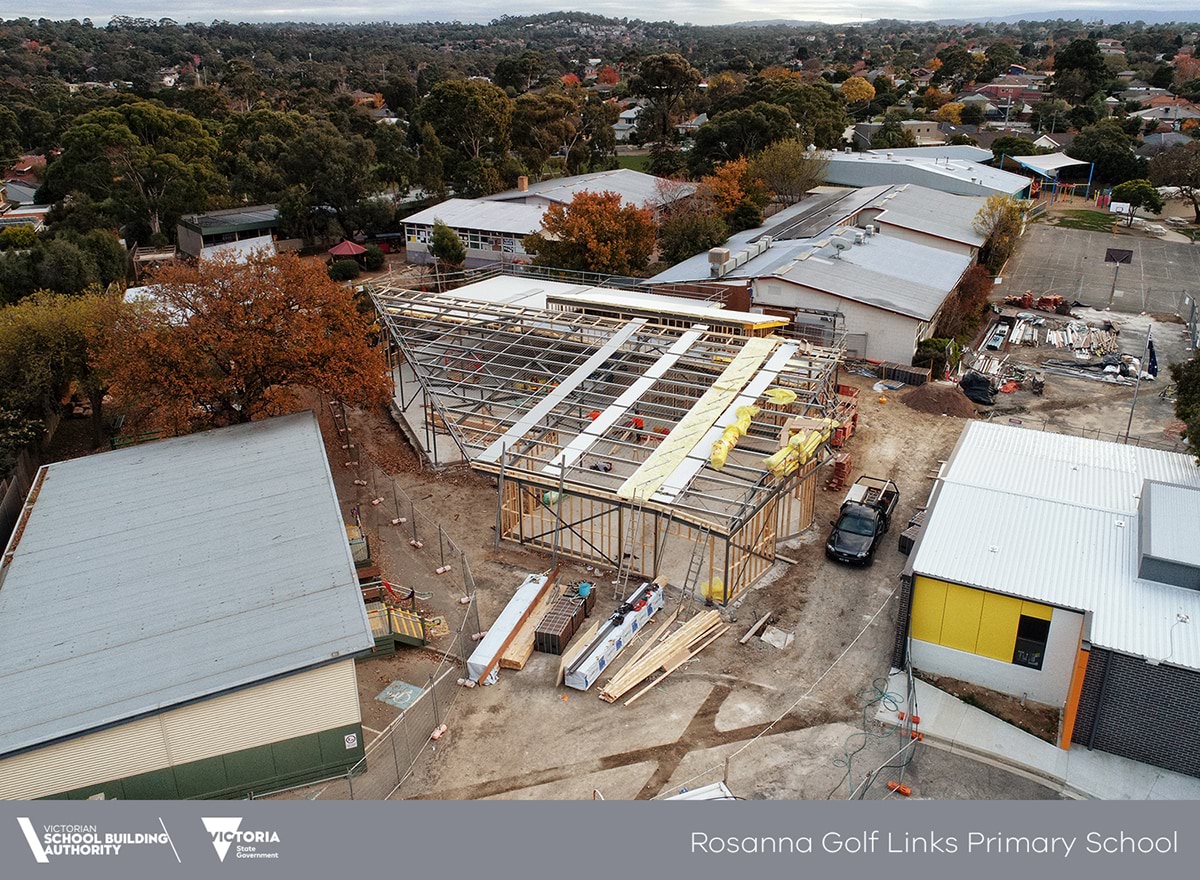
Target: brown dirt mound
point(938, 399)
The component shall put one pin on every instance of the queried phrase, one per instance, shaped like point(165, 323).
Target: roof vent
point(1167, 548)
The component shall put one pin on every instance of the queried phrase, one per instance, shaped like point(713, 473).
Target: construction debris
point(778, 638)
point(667, 654)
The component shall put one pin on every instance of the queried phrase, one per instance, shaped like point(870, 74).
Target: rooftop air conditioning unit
point(859, 238)
point(718, 255)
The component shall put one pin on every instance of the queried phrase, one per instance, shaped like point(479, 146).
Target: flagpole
point(1138, 387)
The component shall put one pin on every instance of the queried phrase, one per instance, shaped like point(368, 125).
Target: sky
point(708, 12)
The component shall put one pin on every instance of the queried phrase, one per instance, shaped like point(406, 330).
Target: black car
point(856, 534)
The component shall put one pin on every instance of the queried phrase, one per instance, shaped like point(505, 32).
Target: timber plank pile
point(666, 654)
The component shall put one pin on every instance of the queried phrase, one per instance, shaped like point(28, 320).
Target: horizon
point(721, 13)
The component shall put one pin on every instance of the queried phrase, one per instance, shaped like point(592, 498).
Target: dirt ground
point(525, 738)
point(1040, 720)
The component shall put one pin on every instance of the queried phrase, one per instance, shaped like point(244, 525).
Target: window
point(1030, 649)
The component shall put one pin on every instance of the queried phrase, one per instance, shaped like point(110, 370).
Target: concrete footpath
point(949, 723)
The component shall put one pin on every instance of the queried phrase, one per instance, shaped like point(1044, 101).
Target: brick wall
point(900, 647)
point(1143, 712)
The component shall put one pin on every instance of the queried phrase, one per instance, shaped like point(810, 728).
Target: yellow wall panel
point(998, 627)
point(960, 623)
point(928, 605)
point(1033, 609)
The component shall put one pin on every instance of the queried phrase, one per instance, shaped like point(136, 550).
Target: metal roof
point(537, 292)
point(633, 186)
point(233, 219)
point(933, 212)
point(890, 273)
point(949, 175)
point(1170, 516)
point(941, 151)
point(164, 573)
point(240, 251)
point(796, 229)
point(483, 215)
point(1054, 518)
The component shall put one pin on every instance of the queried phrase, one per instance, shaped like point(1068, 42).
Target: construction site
point(618, 440)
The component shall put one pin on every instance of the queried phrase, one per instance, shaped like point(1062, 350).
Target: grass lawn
point(636, 163)
point(1092, 221)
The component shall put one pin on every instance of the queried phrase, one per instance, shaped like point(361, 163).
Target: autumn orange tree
point(223, 342)
point(736, 193)
point(594, 233)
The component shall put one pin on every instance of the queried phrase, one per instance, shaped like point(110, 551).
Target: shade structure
point(347, 249)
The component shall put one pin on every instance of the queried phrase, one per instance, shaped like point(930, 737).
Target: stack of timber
point(667, 654)
point(525, 602)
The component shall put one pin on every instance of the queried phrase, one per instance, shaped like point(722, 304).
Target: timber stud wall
point(1142, 712)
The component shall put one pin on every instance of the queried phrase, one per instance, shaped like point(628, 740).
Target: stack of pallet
point(667, 653)
point(841, 473)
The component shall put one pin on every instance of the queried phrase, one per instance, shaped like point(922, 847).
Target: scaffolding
point(598, 430)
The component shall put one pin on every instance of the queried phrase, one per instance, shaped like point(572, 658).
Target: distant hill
point(1108, 16)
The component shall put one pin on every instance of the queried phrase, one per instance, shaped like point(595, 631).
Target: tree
point(594, 233)
point(789, 170)
point(473, 122)
point(446, 248)
point(665, 80)
point(736, 194)
point(327, 170)
point(857, 92)
point(225, 342)
point(1179, 167)
point(689, 232)
point(65, 267)
point(739, 133)
point(1013, 145)
point(951, 113)
point(1187, 401)
point(546, 124)
point(892, 135)
point(48, 341)
point(972, 114)
point(1111, 149)
point(1079, 70)
point(154, 163)
point(1139, 193)
point(999, 221)
point(961, 314)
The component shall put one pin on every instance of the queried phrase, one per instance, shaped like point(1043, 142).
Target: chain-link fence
point(420, 569)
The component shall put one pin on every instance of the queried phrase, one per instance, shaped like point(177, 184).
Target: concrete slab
point(951, 724)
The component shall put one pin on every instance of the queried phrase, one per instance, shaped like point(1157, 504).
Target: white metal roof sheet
point(1054, 518)
point(635, 187)
point(167, 572)
point(482, 214)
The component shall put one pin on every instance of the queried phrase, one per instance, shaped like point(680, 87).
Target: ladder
point(695, 565)
point(625, 564)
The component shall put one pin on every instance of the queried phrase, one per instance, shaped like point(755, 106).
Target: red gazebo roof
point(347, 249)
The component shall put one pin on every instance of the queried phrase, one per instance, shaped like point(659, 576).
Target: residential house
point(251, 227)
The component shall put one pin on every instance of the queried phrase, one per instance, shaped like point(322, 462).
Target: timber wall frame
point(562, 408)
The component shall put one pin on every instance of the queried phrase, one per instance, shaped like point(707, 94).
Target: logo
point(86, 840)
point(225, 832)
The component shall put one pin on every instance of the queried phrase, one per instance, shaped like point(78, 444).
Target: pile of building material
point(665, 654)
point(525, 602)
point(845, 414)
point(1084, 339)
point(1045, 303)
point(582, 669)
point(564, 619)
point(840, 477)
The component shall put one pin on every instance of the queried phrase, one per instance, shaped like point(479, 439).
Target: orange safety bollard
point(895, 786)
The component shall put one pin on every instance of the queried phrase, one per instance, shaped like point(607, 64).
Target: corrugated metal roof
point(1054, 518)
point(1171, 519)
point(949, 175)
point(933, 212)
point(910, 206)
point(941, 151)
point(536, 292)
point(171, 571)
point(483, 215)
point(635, 187)
point(233, 218)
